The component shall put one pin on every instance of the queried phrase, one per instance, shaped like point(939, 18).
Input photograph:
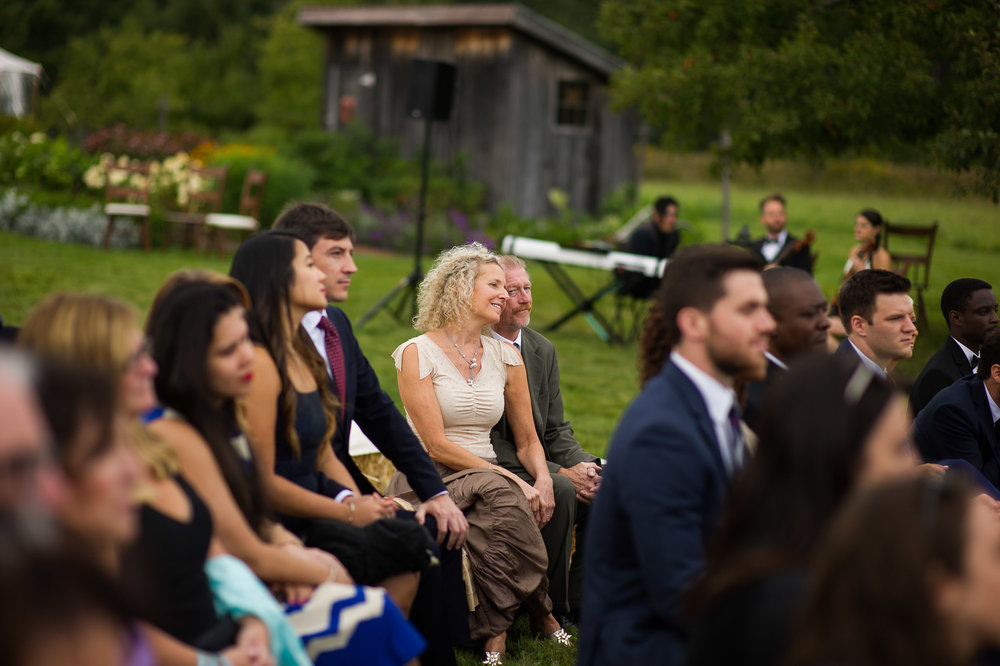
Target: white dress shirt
point(719, 399)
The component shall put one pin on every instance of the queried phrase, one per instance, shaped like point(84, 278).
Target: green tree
point(801, 78)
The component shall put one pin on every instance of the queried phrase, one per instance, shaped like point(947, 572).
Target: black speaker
point(432, 86)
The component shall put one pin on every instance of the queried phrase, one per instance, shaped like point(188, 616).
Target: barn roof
point(508, 15)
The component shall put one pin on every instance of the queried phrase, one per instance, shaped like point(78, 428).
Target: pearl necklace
point(473, 363)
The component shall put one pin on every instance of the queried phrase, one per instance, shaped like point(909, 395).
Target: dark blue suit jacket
point(661, 492)
point(946, 365)
point(378, 417)
point(957, 424)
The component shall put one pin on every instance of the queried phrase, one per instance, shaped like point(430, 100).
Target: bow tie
point(974, 362)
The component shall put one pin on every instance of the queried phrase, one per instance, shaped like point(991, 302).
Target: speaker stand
point(406, 288)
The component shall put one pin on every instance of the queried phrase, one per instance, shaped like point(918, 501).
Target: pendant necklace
point(473, 363)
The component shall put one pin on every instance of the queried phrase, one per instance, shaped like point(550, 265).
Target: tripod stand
point(406, 288)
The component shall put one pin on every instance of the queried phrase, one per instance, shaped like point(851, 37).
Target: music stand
point(431, 89)
point(407, 287)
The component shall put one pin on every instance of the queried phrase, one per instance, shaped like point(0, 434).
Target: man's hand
point(253, 640)
point(586, 478)
point(369, 508)
point(451, 521)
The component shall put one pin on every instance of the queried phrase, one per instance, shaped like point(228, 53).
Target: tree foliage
point(812, 78)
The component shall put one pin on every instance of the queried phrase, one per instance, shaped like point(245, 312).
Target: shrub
point(288, 178)
point(34, 161)
point(140, 144)
point(65, 224)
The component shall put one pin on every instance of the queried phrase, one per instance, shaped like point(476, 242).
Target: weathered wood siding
point(503, 117)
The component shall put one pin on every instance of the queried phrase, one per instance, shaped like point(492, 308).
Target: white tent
point(18, 84)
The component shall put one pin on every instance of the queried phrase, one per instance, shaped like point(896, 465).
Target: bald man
point(799, 307)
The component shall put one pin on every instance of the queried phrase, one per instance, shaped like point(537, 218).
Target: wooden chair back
point(253, 193)
point(915, 253)
point(205, 188)
point(911, 257)
point(122, 186)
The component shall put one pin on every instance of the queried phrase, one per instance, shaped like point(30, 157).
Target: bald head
point(799, 309)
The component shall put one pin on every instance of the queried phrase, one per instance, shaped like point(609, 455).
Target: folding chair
point(126, 195)
point(916, 255)
point(205, 186)
point(246, 222)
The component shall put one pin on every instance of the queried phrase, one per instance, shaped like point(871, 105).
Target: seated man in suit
point(331, 241)
point(798, 306)
point(877, 312)
point(962, 420)
point(672, 456)
point(776, 247)
point(969, 307)
point(575, 473)
point(659, 237)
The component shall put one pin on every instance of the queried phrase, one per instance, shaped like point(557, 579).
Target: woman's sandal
point(494, 658)
point(560, 636)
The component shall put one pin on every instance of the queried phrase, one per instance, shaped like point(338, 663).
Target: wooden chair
point(205, 188)
point(246, 221)
point(129, 199)
point(915, 255)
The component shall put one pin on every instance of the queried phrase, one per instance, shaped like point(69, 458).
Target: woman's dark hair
point(875, 219)
point(871, 600)
point(813, 429)
point(181, 327)
point(72, 396)
point(263, 263)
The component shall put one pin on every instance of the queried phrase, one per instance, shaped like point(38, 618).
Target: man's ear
point(995, 372)
point(859, 325)
point(692, 323)
point(954, 318)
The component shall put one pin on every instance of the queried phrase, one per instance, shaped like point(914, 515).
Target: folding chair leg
point(107, 232)
point(147, 237)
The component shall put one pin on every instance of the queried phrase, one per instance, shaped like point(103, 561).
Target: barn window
point(572, 106)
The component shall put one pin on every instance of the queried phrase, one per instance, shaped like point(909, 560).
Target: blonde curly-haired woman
point(455, 384)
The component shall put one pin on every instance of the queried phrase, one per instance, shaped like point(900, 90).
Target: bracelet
point(350, 517)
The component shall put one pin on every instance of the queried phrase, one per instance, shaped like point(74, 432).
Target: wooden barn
point(531, 108)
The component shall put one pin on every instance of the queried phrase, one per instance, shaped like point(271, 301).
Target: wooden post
point(725, 150)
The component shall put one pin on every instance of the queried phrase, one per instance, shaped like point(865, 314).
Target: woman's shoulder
point(424, 346)
point(505, 351)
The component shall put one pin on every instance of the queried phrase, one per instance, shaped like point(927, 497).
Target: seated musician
point(659, 237)
point(778, 247)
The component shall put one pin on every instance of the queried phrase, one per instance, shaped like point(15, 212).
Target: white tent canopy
point(18, 82)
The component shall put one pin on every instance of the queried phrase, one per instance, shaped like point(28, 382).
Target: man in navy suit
point(961, 420)
point(331, 242)
point(877, 313)
point(672, 456)
point(776, 247)
point(969, 307)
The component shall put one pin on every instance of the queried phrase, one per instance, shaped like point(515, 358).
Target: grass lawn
point(598, 380)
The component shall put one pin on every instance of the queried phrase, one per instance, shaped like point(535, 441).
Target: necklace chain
point(473, 363)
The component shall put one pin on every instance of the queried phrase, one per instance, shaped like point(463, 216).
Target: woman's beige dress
point(505, 547)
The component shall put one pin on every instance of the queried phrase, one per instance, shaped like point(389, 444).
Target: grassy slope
point(598, 381)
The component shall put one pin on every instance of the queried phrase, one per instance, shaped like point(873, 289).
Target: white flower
point(37, 137)
point(94, 177)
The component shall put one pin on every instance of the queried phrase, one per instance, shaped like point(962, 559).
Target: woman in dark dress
point(291, 414)
point(829, 427)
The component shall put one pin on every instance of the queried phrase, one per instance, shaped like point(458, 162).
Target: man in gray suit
point(575, 473)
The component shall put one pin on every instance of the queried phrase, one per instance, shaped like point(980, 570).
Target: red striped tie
point(335, 355)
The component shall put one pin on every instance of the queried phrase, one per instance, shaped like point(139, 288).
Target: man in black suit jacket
point(777, 241)
point(961, 421)
point(659, 237)
point(671, 457)
point(799, 308)
point(877, 313)
point(969, 307)
point(330, 240)
point(575, 473)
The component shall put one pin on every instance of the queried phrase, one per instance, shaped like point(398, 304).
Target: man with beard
point(672, 456)
point(575, 473)
point(877, 313)
point(969, 307)
point(798, 306)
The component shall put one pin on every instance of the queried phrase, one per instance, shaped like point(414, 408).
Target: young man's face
point(892, 331)
point(773, 217)
point(979, 316)
point(739, 326)
point(335, 257)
